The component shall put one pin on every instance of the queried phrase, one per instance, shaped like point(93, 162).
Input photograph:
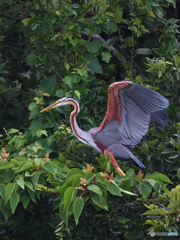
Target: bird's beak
point(54, 105)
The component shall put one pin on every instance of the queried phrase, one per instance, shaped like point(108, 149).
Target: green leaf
point(89, 176)
point(177, 60)
point(44, 132)
point(32, 195)
point(77, 208)
point(69, 81)
point(99, 201)
point(64, 215)
point(60, 93)
point(144, 189)
point(77, 93)
point(128, 193)
point(2, 191)
point(74, 41)
point(111, 26)
point(173, 3)
point(74, 171)
point(32, 58)
point(158, 51)
point(19, 160)
point(82, 72)
point(94, 46)
point(173, 155)
point(77, 180)
point(19, 142)
point(50, 167)
point(174, 42)
point(5, 209)
point(68, 197)
point(50, 85)
point(151, 181)
point(106, 164)
point(156, 211)
point(93, 64)
point(29, 185)
point(72, 178)
point(166, 151)
point(101, 179)
point(159, 176)
point(106, 56)
point(24, 167)
point(13, 130)
point(114, 189)
point(72, 143)
point(66, 66)
point(36, 124)
point(14, 200)
point(120, 178)
point(8, 191)
point(159, 12)
point(95, 189)
point(38, 99)
point(25, 200)
point(9, 176)
point(20, 182)
point(6, 165)
point(25, 21)
point(130, 173)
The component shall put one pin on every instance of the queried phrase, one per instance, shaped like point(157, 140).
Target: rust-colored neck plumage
point(84, 137)
point(73, 115)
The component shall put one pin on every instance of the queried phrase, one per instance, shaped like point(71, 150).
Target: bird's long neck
point(84, 137)
point(77, 131)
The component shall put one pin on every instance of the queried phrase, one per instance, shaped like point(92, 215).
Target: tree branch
point(8, 16)
point(113, 50)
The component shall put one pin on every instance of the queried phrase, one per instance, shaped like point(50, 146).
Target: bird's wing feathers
point(133, 106)
point(160, 118)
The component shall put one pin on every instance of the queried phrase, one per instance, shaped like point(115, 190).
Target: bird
point(130, 109)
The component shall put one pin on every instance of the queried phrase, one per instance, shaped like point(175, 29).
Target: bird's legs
point(113, 162)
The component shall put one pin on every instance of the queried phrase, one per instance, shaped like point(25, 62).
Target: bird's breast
point(100, 145)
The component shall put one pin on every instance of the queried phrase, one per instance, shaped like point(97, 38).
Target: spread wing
point(131, 107)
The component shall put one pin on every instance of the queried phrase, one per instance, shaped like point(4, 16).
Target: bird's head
point(61, 102)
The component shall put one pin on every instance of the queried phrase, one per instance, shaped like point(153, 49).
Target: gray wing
point(160, 118)
point(138, 106)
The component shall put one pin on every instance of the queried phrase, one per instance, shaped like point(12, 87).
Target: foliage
point(165, 217)
point(56, 48)
point(26, 179)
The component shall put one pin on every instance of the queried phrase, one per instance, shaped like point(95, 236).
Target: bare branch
point(113, 50)
point(8, 16)
point(21, 44)
point(140, 204)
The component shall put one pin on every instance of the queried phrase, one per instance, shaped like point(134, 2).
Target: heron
point(130, 109)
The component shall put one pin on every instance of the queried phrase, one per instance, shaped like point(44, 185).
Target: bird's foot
point(120, 171)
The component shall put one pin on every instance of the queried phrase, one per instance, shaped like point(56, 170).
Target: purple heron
point(131, 107)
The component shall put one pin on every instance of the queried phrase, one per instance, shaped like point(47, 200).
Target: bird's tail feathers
point(137, 162)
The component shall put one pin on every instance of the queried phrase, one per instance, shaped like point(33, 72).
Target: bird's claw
point(120, 171)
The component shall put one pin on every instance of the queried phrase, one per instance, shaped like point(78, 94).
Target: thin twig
point(8, 16)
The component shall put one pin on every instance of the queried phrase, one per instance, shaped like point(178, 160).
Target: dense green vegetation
point(55, 48)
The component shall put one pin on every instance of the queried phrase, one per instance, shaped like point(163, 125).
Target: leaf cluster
point(55, 48)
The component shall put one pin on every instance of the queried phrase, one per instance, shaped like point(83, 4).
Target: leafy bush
point(52, 186)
